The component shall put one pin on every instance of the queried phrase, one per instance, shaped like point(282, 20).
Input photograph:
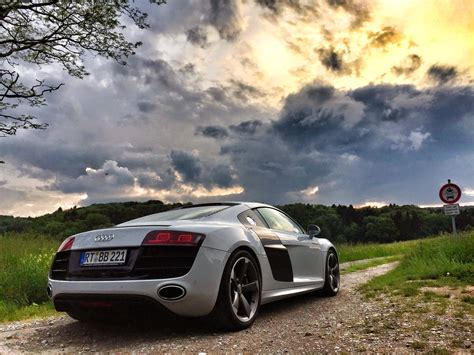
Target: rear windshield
point(180, 214)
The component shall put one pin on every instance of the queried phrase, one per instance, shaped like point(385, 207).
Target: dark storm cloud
point(442, 74)
point(320, 93)
point(226, 18)
point(113, 181)
point(269, 168)
point(41, 158)
point(246, 127)
point(357, 144)
point(384, 113)
point(109, 178)
point(151, 72)
point(100, 127)
point(189, 166)
point(222, 176)
point(387, 35)
point(174, 94)
point(166, 180)
point(216, 132)
point(146, 107)
point(410, 64)
point(197, 172)
point(197, 36)
point(332, 60)
point(321, 116)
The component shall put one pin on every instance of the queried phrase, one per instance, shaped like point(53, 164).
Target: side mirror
point(313, 230)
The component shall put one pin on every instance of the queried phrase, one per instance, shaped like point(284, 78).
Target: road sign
point(451, 210)
point(450, 193)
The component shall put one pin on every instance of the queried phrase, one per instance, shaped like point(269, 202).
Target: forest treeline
point(338, 223)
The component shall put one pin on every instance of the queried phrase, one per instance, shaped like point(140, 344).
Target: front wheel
point(239, 296)
point(333, 278)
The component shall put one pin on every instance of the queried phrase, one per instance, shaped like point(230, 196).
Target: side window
point(251, 219)
point(279, 221)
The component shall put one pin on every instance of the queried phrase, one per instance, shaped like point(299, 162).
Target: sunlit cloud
point(377, 204)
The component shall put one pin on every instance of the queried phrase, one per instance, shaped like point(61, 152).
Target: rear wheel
point(333, 278)
point(239, 296)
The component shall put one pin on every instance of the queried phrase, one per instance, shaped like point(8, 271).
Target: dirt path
point(304, 323)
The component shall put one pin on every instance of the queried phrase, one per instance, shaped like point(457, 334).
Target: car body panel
point(201, 285)
point(290, 263)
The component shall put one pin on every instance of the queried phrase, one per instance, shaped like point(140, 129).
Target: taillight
point(67, 244)
point(173, 238)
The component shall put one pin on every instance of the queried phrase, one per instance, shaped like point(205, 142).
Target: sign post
point(450, 194)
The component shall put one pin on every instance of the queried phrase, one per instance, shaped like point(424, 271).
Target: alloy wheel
point(244, 287)
point(333, 272)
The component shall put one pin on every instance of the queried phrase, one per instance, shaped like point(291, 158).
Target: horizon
point(368, 205)
point(321, 102)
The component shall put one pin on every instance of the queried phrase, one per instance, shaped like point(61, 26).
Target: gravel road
point(306, 323)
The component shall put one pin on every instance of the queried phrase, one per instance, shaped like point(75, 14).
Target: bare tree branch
point(56, 31)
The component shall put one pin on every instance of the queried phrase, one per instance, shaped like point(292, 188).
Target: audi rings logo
point(104, 238)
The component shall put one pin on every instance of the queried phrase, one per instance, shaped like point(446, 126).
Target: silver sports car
point(217, 259)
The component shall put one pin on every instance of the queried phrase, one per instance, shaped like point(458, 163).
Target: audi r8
point(224, 260)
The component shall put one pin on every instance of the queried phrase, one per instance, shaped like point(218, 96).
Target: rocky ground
point(345, 323)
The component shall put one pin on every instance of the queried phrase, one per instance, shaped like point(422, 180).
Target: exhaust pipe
point(49, 291)
point(171, 292)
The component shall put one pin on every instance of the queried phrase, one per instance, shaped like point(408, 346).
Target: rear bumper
point(201, 284)
point(113, 304)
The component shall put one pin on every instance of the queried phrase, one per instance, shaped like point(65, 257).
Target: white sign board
point(451, 210)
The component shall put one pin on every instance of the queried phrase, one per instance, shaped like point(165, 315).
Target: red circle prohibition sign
point(450, 193)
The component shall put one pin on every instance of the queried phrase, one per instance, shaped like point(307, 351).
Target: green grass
point(353, 252)
point(442, 261)
point(371, 263)
point(24, 265)
point(10, 312)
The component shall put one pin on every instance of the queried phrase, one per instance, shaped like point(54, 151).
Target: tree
point(380, 229)
point(97, 220)
point(61, 32)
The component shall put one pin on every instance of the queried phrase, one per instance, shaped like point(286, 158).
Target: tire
point(332, 281)
point(238, 301)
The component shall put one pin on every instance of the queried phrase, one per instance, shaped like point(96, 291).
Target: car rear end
point(137, 267)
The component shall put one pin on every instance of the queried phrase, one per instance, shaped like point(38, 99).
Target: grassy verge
point(430, 289)
point(24, 265)
point(435, 262)
point(353, 252)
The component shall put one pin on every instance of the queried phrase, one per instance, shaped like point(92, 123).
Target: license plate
point(103, 257)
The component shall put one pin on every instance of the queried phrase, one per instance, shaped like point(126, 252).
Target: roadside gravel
point(306, 323)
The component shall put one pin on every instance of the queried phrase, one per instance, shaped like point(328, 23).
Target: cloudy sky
point(331, 101)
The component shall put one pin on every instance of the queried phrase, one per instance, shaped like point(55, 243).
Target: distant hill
point(63, 223)
point(338, 223)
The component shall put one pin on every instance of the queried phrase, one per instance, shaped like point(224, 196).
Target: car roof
point(232, 203)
